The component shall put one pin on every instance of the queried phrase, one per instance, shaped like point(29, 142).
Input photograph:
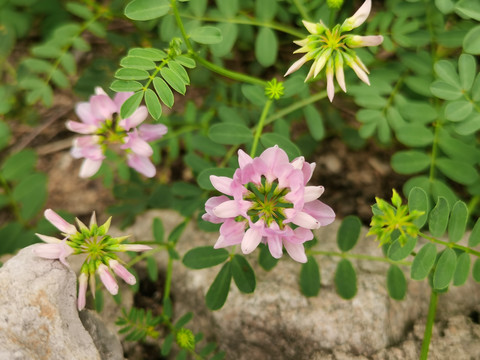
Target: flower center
point(268, 202)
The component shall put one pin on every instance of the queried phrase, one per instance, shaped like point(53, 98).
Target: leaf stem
point(432, 309)
point(358, 256)
point(450, 244)
point(261, 123)
point(168, 278)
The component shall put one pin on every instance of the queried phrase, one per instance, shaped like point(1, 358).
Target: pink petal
point(250, 240)
point(80, 128)
point(57, 221)
point(358, 18)
point(243, 159)
point(134, 247)
point(275, 246)
point(296, 65)
point(49, 239)
point(122, 272)
point(82, 290)
point(231, 233)
point(107, 279)
point(312, 193)
point(227, 209)
point(222, 184)
point(152, 132)
point(84, 112)
point(141, 164)
point(210, 205)
point(321, 212)
point(274, 157)
point(296, 251)
point(137, 144)
point(102, 107)
point(89, 168)
point(305, 220)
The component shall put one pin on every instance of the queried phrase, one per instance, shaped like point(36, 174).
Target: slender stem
point(138, 258)
point(211, 66)
point(301, 9)
point(228, 155)
point(295, 106)
point(261, 123)
point(450, 245)
point(358, 256)
point(168, 280)
point(472, 204)
point(432, 309)
point(248, 20)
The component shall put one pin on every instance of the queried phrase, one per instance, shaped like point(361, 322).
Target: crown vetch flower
point(332, 49)
point(101, 126)
point(99, 247)
point(267, 201)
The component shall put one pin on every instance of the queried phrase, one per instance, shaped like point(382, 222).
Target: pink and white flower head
point(100, 250)
point(101, 126)
point(268, 201)
point(332, 49)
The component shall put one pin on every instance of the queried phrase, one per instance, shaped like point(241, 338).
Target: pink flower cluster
point(102, 127)
point(98, 247)
point(267, 201)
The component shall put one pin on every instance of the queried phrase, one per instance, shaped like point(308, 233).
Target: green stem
point(259, 129)
point(168, 280)
point(431, 176)
point(450, 245)
point(228, 155)
point(358, 256)
point(301, 9)
point(211, 66)
point(295, 106)
point(432, 309)
point(248, 20)
point(472, 204)
point(146, 254)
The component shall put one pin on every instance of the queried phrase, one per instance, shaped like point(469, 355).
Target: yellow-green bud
point(334, 4)
point(186, 339)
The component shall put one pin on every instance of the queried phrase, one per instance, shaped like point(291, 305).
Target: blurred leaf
point(445, 91)
point(438, 218)
point(167, 344)
point(228, 8)
point(445, 269)
point(146, 9)
point(346, 279)
point(5, 135)
point(131, 74)
point(230, 34)
point(396, 283)
point(460, 172)
point(476, 270)
point(458, 110)
point(218, 292)
point(153, 104)
point(206, 35)
point(415, 135)
point(471, 42)
point(469, 8)
point(410, 161)
point(462, 270)
point(272, 139)
point(158, 230)
point(148, 53)
point(348, 233)
point(314, 122)
point(136, 62)
point(124, 86)
point(266, 47)
point(163, 91)
point(467, 69)
point(423, 262)
point(243, 274)
point(174, 80)
point(230, 134)
point(446, 71)
point(265, 258)
point(474, 238)
point(458, 221)
point(204, 257)
point(19, 165)
point(152, 268)
point(310, 277)
point(176, 232)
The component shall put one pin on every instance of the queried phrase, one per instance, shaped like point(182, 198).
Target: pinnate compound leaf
point(423, 262)
point(148, 53)
point(185, 61)
point(469, 8)
point(163, 91)
point(310, 277)
point(458, 110)
point(458, 221)
point(136, 62)
point(458, 171)
point(447, 72)
point(153, 104)
point(131, 104)
point(180, 71)
point(396, 283)
point(204, 257)
point(230, 134)
point(346, 279)
point(131, 74)
point(467, 69)
point(445, 91)
point(438, 218)
point(474, 238)
point(125, 85)
point(418, 200)
point(243, 274)
point(206, 35)
point(348, 233)
point(415, 135)
point(445, 269)
point(146, 9)
point(462, 270)
point(218, 292)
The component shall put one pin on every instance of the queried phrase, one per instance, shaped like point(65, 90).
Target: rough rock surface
point(278, 322)
point(38, 314)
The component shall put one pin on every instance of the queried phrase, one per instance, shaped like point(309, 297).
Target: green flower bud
point(185, 339)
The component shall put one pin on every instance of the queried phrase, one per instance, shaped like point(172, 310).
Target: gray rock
point(278, 322)
point(38, 314)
